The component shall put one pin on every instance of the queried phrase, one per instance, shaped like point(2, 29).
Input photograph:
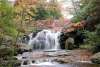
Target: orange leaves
point(79, 25)
point(74, 26)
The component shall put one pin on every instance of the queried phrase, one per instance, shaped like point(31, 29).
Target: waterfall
point(45, 39)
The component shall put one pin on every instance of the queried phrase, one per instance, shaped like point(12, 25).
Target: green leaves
point(87, 7)
point(49, 11)
point(93, 38)
point(6, 18)
point(41, 14)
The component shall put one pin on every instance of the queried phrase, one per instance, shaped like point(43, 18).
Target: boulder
point(96, 58)
point(69, 44)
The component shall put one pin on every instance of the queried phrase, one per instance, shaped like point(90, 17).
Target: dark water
point(71, 65)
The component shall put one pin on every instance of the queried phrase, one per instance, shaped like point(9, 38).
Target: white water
point(45, 39)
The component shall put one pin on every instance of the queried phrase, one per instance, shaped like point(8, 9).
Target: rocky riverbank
point(61, 56)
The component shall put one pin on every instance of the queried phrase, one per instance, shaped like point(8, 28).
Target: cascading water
point(45, 39)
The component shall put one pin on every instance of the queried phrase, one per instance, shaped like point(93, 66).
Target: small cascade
point(45, 39)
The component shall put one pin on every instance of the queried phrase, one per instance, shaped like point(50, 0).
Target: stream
point(46, 52)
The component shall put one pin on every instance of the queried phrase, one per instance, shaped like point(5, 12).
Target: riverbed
point(58, 58)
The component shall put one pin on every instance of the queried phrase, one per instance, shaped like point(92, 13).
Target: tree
point(6, 18)
point(40, 14)
point(87, 8)
point(47, 10)
point(27, 14)
point(93, 39)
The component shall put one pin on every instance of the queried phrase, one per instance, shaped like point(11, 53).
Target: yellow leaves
point(21, 6)
point(24, 6)
point(30, 12)
point(18, 9)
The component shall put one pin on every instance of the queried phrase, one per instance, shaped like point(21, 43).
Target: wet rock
point(58, 55)
point(96, 58)
point(63, 60)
